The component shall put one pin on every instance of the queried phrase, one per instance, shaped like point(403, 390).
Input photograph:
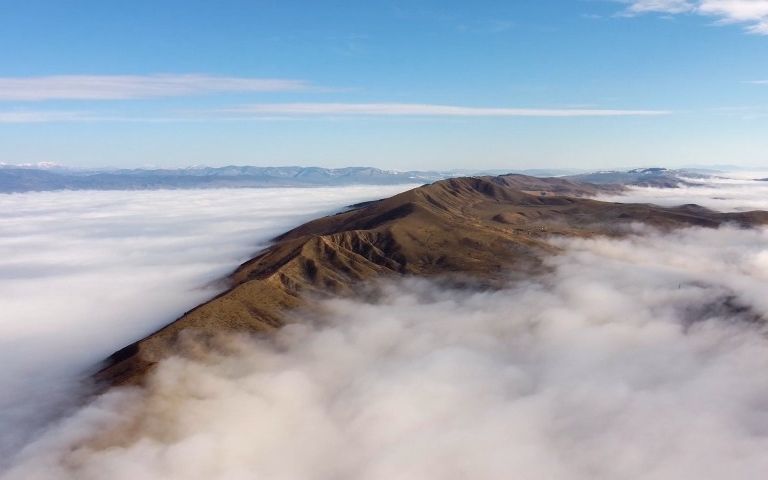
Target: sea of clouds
point(728, 192)
point(642, 357)
point(82, 274)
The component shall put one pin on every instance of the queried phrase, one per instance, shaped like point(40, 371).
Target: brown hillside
point(483, 228)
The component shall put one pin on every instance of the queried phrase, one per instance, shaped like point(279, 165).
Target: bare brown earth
point(481, 228)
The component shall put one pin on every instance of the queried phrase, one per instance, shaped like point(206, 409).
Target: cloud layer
point(84, 273)
point(740, 191)
point(636, 358)
point(41, 116)
point(305, 110)
point(417, 109)
point(753, 13)
point(123, 87)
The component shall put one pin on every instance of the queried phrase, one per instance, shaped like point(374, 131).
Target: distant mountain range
point(25, 178)
point(16, 178)
point(645, 177)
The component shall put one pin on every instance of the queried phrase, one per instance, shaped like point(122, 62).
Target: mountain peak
point(478, 229)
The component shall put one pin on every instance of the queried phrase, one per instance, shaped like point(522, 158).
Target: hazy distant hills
point(36, 179)
point(643, 177)
point(32, 178)
point(477, 229)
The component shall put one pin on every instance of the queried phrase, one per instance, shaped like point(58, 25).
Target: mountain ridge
point(478, 229)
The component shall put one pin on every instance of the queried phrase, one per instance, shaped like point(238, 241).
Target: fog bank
point(735, 192)
point(85, 273)
point(636, 358)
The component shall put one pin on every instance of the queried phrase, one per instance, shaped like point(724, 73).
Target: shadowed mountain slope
point(486, 229)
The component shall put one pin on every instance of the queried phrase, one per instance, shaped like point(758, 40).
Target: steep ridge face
point(480, 229)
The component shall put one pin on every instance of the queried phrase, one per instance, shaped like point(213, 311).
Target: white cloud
point(635, 358)
point(417, 109)
point(753, 13)
point(122, 87)
point(740, 192)
point(84, 273)
point(42, 116)
point(623, 363)
point(276, 111)
point(666, 6)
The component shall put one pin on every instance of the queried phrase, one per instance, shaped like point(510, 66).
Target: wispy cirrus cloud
point(666, 6)
point(41, 116)
point(277, 111)
point(125, 87)
point(429, 110)
point(753, 13)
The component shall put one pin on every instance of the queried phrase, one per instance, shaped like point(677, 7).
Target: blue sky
point(394, 84)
